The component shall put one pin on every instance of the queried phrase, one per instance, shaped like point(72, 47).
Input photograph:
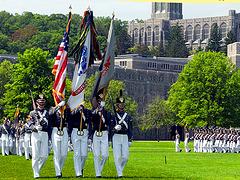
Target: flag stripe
point(60, 67)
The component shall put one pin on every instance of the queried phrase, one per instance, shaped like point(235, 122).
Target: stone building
point(196, 31)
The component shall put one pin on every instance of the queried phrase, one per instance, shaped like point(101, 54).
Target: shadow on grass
point(115, 177)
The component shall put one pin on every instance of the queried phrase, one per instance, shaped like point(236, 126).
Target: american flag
point(60, 66)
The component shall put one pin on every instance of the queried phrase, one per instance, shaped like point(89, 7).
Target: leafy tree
point(157, 115)
point(214, 43)
point(140, 49)
point(3, 42)
point(175, 43)
point(206, 92)
point(32, 72)
point(157, 51)
point(6, 68)
point(113, 91)
point(25, 33)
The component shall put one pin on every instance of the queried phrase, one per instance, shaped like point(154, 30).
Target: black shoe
point(180, 150)
point(79, 176)
point(36, 178)
point(59, 176)
point(120, 176)
point(98, 176)
point(189, 150)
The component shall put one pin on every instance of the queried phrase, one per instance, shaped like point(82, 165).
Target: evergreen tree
point(214, 43)
point(231, 38)
point(175, 43)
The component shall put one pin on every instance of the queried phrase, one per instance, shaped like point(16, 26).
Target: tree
point(6, 68)
point(214, 43)
point(231, 38)
point(157, 51)
point(206, 92)
point(157, 115)
point(140, 49)
point(32, 72)
point(113, 91)
point(176, 46)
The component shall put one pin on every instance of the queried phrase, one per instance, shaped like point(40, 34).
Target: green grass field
point(146, 161)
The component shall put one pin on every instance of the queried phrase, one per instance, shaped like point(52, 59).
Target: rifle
point(33, 102)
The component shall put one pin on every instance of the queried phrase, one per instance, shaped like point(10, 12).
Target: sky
point(123, 9)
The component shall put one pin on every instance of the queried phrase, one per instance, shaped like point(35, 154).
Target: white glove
point(61, 104)
point(102, 103)
point(39, 128)
point(129, 143)
point(118, 127)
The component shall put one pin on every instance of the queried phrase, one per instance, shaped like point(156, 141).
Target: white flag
point(78, 82)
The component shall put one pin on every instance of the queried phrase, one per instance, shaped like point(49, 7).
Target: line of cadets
point(218, 140)
point(96, 127)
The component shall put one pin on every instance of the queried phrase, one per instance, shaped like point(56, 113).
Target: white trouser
point(187, 149)
point(100, 147)
point(39, 141)
point(210, 146)
point(5, 144)
point(21, 146)
point(60, 149)
point(204, 146)
point(12, 144)
point(80, 148)
point(120, 151)
point(196, 144)
point(177, 145)
point(27, 143)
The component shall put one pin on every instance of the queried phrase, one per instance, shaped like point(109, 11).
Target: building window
point(189, 33)
point(152, 65)
point(206, 31)
point(149, 36)
point(197, 32)
point(123, 63)
point(142, 36)
point(156, 35)
point(135, 36)
point(223, 30)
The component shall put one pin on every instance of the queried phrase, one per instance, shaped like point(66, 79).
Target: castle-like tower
point(167, 11)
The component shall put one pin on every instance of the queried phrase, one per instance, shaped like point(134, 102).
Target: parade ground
point(148, 160)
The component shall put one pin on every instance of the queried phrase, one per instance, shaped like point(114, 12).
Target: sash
point(122, 119)
point(5, 128)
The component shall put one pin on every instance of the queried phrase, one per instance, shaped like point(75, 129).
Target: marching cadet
point(80, 129)
point(101, 122)
point(177, 142)
point(12, 139)
point(39, 140)
point(27, 138)
point(186, 140)
point(58, 123)
point(21, 138)
point(121, 126)
point(5, 131)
